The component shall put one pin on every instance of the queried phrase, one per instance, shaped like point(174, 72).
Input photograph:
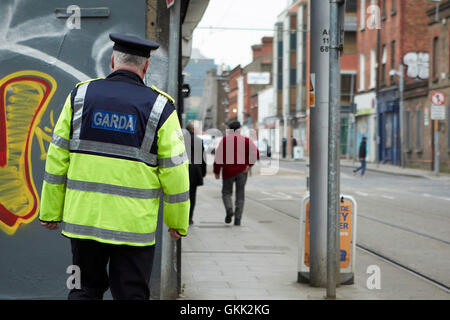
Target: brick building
point(235, 82)
point(390, 33)
point(291, 73)
point(261, 63)
point(243, 93)
point(215, 99)
point(438, 42)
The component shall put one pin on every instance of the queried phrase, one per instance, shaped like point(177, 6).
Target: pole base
point(346, 278)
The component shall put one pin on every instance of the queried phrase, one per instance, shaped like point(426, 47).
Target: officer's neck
point(133, 69)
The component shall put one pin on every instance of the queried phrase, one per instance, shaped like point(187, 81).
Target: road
point(406, 220)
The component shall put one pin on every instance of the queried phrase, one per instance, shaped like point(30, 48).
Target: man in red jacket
point(234, 157)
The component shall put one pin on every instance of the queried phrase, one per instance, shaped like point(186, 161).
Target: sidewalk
point(392, 169)
point(388, 169)
point(258, 260)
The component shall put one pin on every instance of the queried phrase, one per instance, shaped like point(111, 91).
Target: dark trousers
point(362, 167)
point(129, 270)
point(227, 193)
point(192, 196)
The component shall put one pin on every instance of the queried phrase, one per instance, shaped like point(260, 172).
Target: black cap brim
point(132, 44)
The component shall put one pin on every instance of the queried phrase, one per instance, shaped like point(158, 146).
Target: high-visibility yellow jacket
point(116, 148)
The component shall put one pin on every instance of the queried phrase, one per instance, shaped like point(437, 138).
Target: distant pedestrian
point(197, 165)
point(362, 156)
point(294, 144)
point(235, 155)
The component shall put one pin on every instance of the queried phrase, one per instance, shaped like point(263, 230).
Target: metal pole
point(320, 10)
point(174, 48)
point(436, 147)
point(169, 254)
point(333, 151)
point(401, 111)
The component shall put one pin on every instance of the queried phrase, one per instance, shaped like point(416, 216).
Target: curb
point(389, 172)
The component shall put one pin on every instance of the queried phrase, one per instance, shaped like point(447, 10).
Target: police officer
point(116, 147)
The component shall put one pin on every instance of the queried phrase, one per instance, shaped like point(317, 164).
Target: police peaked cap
point(132, 44)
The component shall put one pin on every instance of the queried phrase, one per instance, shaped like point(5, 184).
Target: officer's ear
point(112, 61)
point(146, 66)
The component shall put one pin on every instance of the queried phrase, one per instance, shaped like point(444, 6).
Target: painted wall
point(42, 57)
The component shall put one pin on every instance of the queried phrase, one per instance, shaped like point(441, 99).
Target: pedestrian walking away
point(116, 145)
point(197, 164)
point(362, 157)
point(294, 144)
point(234, 157)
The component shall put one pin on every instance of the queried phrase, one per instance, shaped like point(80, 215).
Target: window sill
point(418, 151)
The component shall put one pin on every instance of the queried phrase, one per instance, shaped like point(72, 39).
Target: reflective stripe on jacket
point(116, 149)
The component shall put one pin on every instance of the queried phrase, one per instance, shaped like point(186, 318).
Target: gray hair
point(121, 58)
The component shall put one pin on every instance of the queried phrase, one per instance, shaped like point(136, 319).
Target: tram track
point(379, 255)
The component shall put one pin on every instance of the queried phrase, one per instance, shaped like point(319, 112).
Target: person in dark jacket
point(234, 156)
point(197, 165)
point(294, 144)
point(362, 156)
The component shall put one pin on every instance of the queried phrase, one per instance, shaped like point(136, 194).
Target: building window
point(362, 73)
point(350, 42)
point(383, 9)
point(419, 131)
point(392, 61)
point(293, 77)
point(373, 70)
point(394, 7)
point(435, 57)
point(350, 6)
point(293, 41)
point(383, 66)
point(362, 14)
point(408, 131)
point(279, 61)
point(347, 88)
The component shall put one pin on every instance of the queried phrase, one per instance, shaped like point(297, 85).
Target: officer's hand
point(50, 225)
point(217, 176)
point(174, 234)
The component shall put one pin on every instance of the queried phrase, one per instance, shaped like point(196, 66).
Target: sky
point(233, 47)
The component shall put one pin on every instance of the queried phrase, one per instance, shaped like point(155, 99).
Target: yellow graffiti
point(24, 97)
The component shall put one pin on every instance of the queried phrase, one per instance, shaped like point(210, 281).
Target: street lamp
point(399, 73)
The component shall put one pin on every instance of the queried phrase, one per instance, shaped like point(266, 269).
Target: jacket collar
point(126, 76)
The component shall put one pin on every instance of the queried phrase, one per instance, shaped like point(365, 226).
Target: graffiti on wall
point(24, 97)
point(45, 44)
point(417, 65)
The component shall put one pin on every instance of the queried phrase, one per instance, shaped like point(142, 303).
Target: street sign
point(347, 226)
point(437, 112)
point(170, 3)
point(258, 78)
point(437, 98)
